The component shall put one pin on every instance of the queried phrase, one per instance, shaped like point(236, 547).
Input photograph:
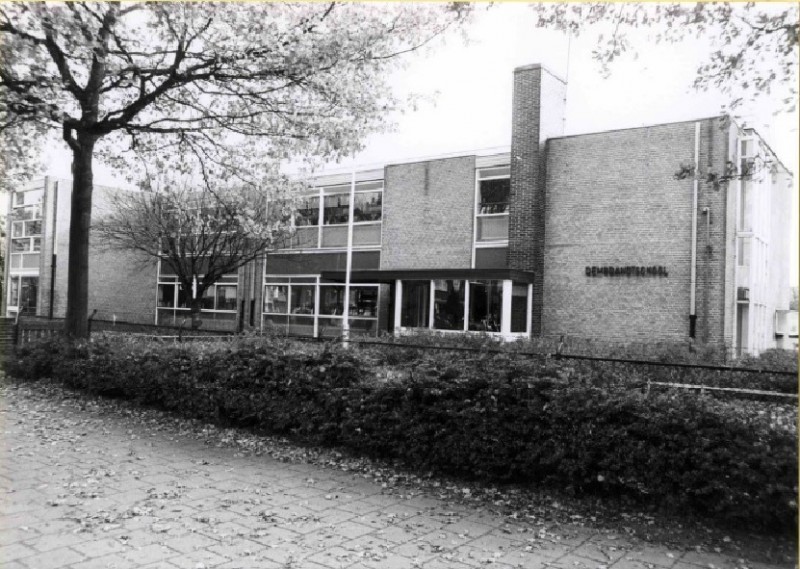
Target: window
point(331, 300)
point(23, 294)
point(226, 297)
point(368, 206)
point(337, 209)
point(300, 316)
point(302, 297)
point(519, 308)
point(493, 199)
point(448, 305)
point(276, 299)
point(416, 301)
point(166, 296)
point(494, 196)
point(308, 212)
point(485, 305)
point(174, 299)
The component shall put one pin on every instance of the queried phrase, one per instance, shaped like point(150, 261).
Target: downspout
point(693, 274)
point(55, 244)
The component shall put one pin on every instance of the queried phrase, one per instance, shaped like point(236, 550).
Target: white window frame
point(477, 215)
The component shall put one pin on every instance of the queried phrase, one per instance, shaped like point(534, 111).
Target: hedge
point(530, 426)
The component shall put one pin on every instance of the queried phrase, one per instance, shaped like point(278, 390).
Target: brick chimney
point(538, 114)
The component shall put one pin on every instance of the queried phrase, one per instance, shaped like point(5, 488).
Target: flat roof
point(391, 275)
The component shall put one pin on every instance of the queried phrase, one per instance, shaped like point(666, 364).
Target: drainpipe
point(693, 277)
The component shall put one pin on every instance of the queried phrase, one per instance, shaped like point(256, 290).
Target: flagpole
point(349, 266)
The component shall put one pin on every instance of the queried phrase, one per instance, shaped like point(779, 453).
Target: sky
point(467, 89)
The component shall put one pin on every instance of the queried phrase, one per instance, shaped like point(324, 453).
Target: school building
point(673, 232)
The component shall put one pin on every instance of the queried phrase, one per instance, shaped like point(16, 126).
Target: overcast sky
point(470, 88)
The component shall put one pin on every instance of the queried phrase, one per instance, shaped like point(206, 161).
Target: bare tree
point(201, 234)
point(236, 85)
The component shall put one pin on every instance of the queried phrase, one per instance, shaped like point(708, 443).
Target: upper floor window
point(494, 190)
point(322, 218)
point(26, 222)
point(337, 207)
point(308, 211)
point(492, 204)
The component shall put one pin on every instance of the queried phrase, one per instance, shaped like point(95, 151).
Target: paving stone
point(106, 562)
point(190, 542)
point(163, 499)
point(149, 554)
point(98, 547)
point(15, 551)
point(54, 559)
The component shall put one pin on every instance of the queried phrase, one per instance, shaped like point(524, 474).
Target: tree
point(201, 234)
point(755, 45)
point(236, 86)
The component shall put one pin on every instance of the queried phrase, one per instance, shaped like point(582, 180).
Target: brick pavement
point(87, 485)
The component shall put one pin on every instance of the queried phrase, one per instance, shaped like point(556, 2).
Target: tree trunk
point(76, 324)
point(194, 311)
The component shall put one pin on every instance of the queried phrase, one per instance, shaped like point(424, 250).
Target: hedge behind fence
point(676, 449)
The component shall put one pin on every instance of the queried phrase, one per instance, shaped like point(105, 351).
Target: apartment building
point(672, 232)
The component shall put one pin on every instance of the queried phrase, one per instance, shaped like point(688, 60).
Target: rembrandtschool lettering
point(627, 271)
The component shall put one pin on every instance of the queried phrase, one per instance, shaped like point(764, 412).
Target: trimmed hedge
point(528, 426)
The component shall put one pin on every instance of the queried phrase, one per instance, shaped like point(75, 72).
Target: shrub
point(494, 417)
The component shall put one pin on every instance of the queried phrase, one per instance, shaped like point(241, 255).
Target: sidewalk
point(85, 486)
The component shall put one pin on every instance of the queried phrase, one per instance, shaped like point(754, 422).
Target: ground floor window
point(489, 306)
point(23, 294)
point(217, 303)
point(416, 296)
point(486, 306)
point(295, 306)
point(448, 304)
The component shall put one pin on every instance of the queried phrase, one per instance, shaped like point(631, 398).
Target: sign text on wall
point(628, 271)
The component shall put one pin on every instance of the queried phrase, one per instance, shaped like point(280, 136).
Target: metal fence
point(30, 329)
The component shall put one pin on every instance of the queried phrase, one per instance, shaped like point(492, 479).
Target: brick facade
point(122, 284)
point(538, 113)
point(428, 214)
point(613, 200)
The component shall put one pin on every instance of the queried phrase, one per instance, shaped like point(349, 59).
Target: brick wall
point(428, 214)
point(121, 283)
point(538, 112)
point(612, 200)
point(711, 233)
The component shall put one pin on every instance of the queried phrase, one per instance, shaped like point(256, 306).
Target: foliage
point(754, 45)
point(218, 92)
point(533, 427)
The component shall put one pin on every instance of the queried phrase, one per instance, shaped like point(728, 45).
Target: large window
point(492, 202)
point(448, 305)
point(217, 303)
point(322, 219)
point(23, 294)
point(26, 225)
point(415, 304)
point(485, 305)
point(297, 306)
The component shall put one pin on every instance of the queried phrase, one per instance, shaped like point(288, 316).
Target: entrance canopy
point(392, 275)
